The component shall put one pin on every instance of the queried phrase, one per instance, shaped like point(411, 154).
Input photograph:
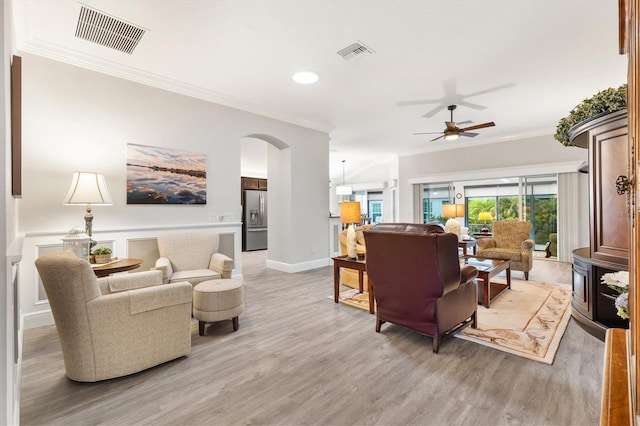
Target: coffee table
point(351, 263)
point(488, 268)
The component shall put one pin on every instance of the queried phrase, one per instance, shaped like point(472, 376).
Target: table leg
point(361, 281)
point(486, 289)
point(509, 276)
point(336, 281)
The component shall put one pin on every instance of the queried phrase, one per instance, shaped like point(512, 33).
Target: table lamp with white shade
point(88, 189)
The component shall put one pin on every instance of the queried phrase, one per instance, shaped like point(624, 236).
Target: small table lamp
point(485, 216)
point(88, 188)
point(350, 214)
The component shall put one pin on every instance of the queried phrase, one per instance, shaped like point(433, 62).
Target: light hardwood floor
point(300, 359)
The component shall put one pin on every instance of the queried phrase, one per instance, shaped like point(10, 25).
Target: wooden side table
point(358, 265)
point(466, 244)
point(120, 265)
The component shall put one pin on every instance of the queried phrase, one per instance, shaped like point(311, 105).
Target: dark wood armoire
point(606, 138)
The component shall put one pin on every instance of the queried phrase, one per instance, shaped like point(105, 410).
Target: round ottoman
point(218, 300)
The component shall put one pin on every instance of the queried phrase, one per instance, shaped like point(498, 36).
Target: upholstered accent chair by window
point(349, 277)
point(510, 241)
point(417, 281)
point(192, 257)
point(117, 325)
point(551, 248)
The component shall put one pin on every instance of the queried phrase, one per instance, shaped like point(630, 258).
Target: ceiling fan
point(454, 132)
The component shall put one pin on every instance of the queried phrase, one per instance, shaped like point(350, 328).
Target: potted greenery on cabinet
point(602, 103)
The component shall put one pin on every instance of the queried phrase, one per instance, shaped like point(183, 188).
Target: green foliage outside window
point(475, 206)
point(545, 219)
point(507, 208)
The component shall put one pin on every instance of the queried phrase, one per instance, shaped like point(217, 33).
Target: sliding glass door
point(531, 199)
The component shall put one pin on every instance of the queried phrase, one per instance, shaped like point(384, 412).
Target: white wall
point(462, 161)
point(253, 158)
point(515, 153)
point(79, 120)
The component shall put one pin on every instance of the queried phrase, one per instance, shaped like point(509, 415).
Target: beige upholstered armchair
point(117, 325)
point(192, 257)
point(349, 277)
point(510, 241)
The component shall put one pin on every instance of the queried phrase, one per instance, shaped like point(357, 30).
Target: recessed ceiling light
point(305, 77)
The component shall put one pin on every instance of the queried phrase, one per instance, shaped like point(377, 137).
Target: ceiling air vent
point(354, 50)
point(107, 31)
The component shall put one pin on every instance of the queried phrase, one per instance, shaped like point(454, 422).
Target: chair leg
point(436, 344)
point(236, 324)
point(474, 319)
point(201, 325)
point(526, 276)
point(379, 324)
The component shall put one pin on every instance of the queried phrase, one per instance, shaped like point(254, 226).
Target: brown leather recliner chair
point(414, 272)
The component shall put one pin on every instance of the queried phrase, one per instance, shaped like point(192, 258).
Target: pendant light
point(343, 189)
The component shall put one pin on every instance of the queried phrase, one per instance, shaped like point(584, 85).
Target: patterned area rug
point(353, 297)
point(528, 320)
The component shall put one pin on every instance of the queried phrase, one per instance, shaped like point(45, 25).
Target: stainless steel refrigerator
point(254, 223)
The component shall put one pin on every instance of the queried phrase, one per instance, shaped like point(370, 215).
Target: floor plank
point(298, 358)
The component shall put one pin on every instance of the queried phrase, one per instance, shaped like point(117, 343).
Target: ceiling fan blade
point(427, 133)
point(471, 105)
point(439, 137)
point(434, 110)
point(460, 123)
point(418, 102)
point(492, 89)
point(479, 126)
point(469, 134)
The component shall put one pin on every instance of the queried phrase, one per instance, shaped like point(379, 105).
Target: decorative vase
point(352, 244)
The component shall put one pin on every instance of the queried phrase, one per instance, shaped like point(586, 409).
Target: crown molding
point(59, 53)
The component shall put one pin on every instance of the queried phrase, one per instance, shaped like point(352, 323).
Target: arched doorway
point(261, 166)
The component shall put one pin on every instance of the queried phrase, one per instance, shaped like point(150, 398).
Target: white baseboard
point(298, 267)
point(38, 319)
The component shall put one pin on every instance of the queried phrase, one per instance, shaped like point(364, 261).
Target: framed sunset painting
point(158, 175)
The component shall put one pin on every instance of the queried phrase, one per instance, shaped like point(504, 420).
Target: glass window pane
point(433, 196)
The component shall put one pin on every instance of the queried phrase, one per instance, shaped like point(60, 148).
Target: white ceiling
point(525, 62)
